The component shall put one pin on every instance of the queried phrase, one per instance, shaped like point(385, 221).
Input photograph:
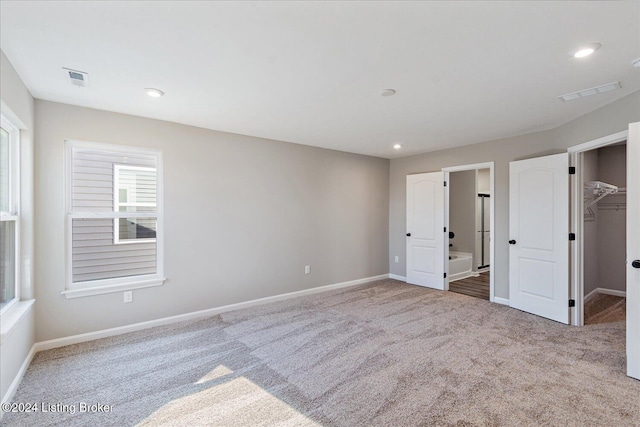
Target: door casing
point(492, 200)
point(577, 219)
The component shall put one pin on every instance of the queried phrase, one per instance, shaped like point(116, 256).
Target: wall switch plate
point(307, 269)
point(397, 258)
point(128, 296)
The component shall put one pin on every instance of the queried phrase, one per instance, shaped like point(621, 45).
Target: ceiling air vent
point(77, 78)
point(589, 92)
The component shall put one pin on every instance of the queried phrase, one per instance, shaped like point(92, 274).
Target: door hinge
point(572, 170)
point(572, 236)
point(445, 183)
point(445, 229)
point(572, 303)
point(445, 275)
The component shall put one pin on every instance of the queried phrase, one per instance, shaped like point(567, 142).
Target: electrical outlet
point(307, 269)
point(397, 259)
point(128, 296)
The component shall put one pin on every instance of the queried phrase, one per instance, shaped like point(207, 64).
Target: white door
point(425, 230)
point(633, 251)
point(539, 236)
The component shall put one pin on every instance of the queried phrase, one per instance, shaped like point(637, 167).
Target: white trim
point(600, 142)
point(613, 292)
point(503, 301)
point(90, 336)
point(576, 203)
point(12, 316)
point(485, 165)
point(463, 275)
point(75, 290)
point(14, 175)
point(604, 291)
point(447, 180)
point(590, 295)
point(492, 218)
point(107, 289)
point(397, 277)
point(6, 307)
point(18, 379)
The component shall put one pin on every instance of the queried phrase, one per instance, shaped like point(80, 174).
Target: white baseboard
point(502, 301)
point(463, 275)
point(16, 381)
point(396, 277)
point(90, 336)
point(604, 291)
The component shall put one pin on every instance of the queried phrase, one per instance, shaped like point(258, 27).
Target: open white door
point(425, 229)
point(539, 236)
point(633, 251)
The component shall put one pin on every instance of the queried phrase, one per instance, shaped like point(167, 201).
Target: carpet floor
point(380, 354)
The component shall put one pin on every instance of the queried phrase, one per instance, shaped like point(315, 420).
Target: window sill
point(12, 316)
point(99, 290)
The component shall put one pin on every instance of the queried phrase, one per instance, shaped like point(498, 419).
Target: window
point(134, 191)
point(114, 218)
point(9, 213)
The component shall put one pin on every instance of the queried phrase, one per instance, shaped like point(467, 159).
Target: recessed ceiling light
point(397, 146)
point(154, 93)
point(584, 50)
point(387, 92)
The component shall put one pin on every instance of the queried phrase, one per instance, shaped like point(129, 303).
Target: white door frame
point(577, 219)
point(492, 200)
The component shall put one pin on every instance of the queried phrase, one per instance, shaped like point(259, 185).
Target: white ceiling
point(311, 72)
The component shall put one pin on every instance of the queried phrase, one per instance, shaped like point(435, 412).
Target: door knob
point(408, 234)
point(635, 263)
point(512, 242)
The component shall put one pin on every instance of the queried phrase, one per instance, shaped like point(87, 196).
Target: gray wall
point(243, 216)
point(607, 120)
point(18, 104)
point(462, 211)
point(612, 227)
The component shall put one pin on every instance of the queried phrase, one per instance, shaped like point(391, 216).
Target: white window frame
point(104, 286)
point(117, 204)
point(14, 202)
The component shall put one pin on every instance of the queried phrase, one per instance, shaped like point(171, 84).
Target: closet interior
point(604, 175)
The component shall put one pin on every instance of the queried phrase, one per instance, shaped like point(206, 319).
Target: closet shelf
point(600, 190)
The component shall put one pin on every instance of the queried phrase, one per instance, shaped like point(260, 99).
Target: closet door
point(425, 230)
point(633, 251)
point(539, 236)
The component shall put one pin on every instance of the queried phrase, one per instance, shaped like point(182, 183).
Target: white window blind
point(113, 216)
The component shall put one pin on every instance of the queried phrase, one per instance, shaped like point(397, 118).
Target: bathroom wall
point(483, 180)
point(484, 187)
point(462, 199)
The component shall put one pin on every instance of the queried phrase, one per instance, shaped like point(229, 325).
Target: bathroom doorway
point(469, 220)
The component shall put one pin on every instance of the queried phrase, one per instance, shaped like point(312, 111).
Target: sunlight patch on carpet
point(238, 402)
point(217, 372)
